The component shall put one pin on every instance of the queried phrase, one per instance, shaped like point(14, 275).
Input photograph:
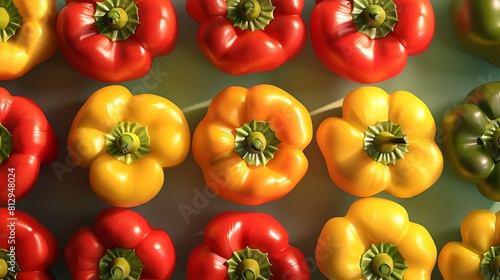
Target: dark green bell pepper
point(476, 24)
point(471, 139)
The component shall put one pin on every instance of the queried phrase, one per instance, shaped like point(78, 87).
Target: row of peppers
point(366, 41)
point(250, 146)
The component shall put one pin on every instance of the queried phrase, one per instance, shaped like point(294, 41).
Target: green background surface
point(63, 201)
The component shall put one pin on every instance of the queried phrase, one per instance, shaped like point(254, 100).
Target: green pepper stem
point(4, 268)
point(10, 19)
point(120, 268)
point(116, 19)
point(128, 142)
point(249, 269)
point(386, 142)
point(250, 14)
point(4, 18)
point(382, 265)
point(374, 15)
point(120, 264)
point(249, 9)
point(373, 18)
point(256, 143)
point(249, 264)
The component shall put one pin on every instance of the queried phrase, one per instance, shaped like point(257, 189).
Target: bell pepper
point(27, 141)
point(246, 245)
point(250, 144)
point(122, 244)
point(369, 41)
point(375, 240)
point(476, 26)
point(382, 142)
point(28, 249)
point(126, 141)
point(116, 40)
point(476, 256)
point(470, 139)
point(27, 35)
point(249, 36)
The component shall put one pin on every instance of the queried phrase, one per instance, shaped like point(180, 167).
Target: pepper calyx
point(374, 18)
point(6, 144)
point(383, 261)
point(385, 142)
point(8, 268)
point(256, 142)
point(490, 264)
point(120, 264)
point(249, 264)
point(128, 142)
point(10, 19)
point(490, 139)
point(116, 19)
point(250, 14)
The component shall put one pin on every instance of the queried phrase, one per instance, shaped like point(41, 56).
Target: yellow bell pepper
point(126, 141)
point(383, 142)
point(250, 144)
point(477, 256)
point(375, 240)
point(27, 35)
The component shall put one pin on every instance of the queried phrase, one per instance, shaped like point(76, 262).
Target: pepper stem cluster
point(490, 139)
point(385, 142)
point(10, 19)
point(128, 142)
point(256, 143)
point(490, 264)
point(374, 18)
point(120, 264)
point(116, 19)
point(250, 14)
point(5, 143)
point(7, 270)
point(383, 262)
point(249, 264)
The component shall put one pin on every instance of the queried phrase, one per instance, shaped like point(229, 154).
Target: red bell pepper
point(27, 140)
point(116, 40)
point(27, 248)
point(369, 41)
point(121, 244)
point(248, 36)
point(246, 245)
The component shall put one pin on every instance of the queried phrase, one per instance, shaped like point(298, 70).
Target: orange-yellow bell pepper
point(250, 144)
point(375, 240)
point(27, 35)
point(477, 256)
point(126, 141)
point(383, 142)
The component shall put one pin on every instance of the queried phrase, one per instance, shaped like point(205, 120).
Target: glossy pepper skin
point(126, 140)
point(27, 141)
point(246, 243)
point(28, 249)
point(238, 45)
point(121, 242)
point(223, 144)
point(29, 36)
point(375, 235)
point(349, 40)
point(121, 51)
point(382, 143)
point(470, 139)
point(475, 257)
point(476, 26)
